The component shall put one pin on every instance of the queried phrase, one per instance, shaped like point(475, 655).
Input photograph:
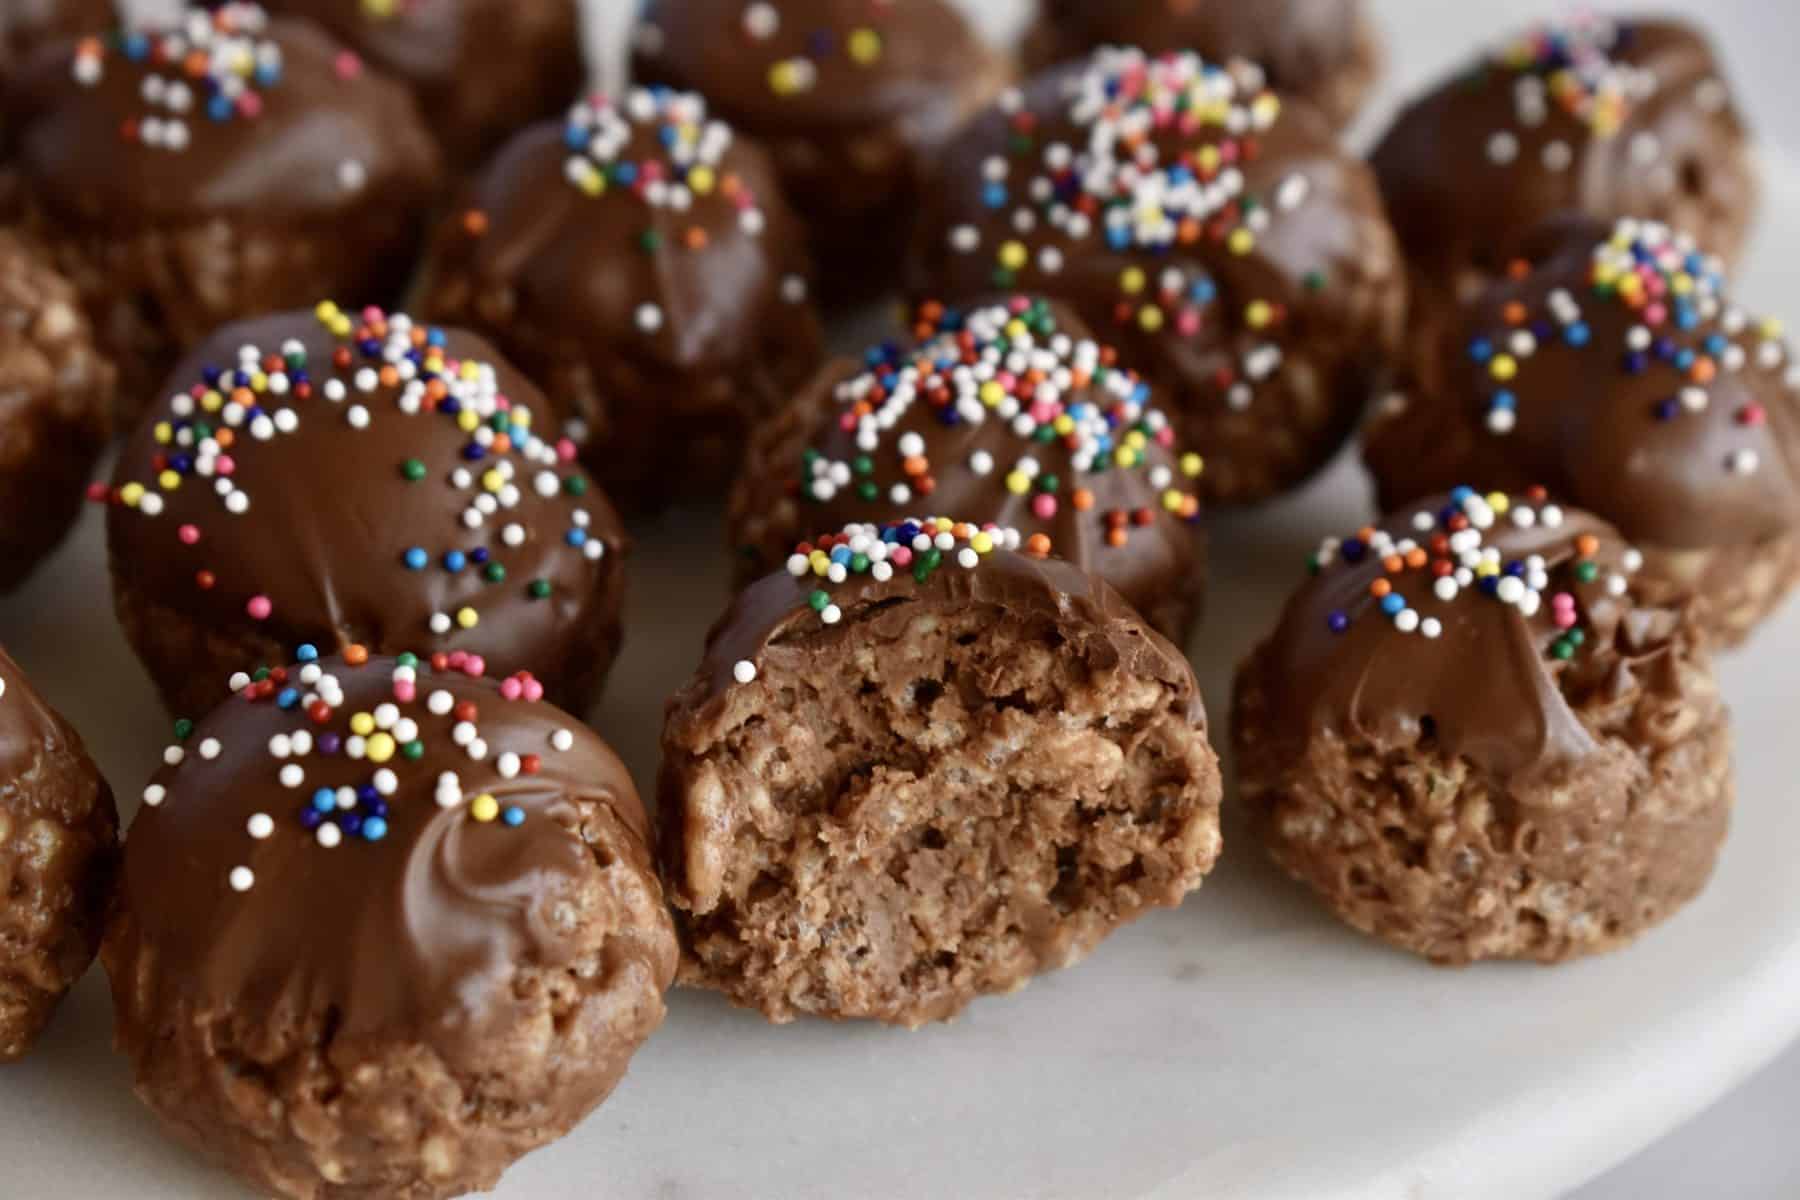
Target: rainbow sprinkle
point(1570, 64)
point(1009, 364)
point(1681, 324)
point(382, 362)
point(1157, 168)
point(921, 545)
point(1448, 556)
point(381, 741)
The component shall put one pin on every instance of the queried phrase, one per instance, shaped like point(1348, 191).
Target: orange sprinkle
point(1586, 545)
point(1393, 564)
point(1083, 500)
point(1380, 587)
point(227, 438)
point(475, 223)
point(1514, 313)
point(390, 375)
point(1118, 535)
point(915, 464)
point(1415, 558)
point(356, 654)
point(1038, 546)
point(1703, 370)
point(695, 238)
point(1518, 268)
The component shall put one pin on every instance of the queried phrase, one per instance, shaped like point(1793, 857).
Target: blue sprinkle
point(1392, 603)
point(307, 653)
point(576, 537)
point(1353, 550)
point(311, 818)
point(454, 561)
point(478, 555)
point(324, 800)
point(374, 829)
point(367, 793)
point(1576, 333)
point(1337, 622)
point(994, 195)
point(1481, 350)
point(416, 558)
point(289, 698)
point(1505, 399)
point(514, 815)
point(351, 823)
point(219, 108)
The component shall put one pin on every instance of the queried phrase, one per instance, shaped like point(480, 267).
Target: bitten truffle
point(1009, 413)
point(1601, 116)
point(1613, 367)
point(1473, 738)
point(482, 69)
point(386, 949)
point(28, 24)
point(1326, 53)
point(59, 836)
point(852, 97)
point(922, 765)
point(361, 482)
point(638, 260)
point(221, 167)
point(56, 396)
point(1233, 254)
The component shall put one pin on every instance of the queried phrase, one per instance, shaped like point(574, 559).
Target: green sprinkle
point(818, 600)
point(413, 469)
point(184, 729)
point(1587, 572)
point(413, 750)
point(409, 659)
point(575, 485)
point(539, 589)
point(862, 464)
point(494, 573)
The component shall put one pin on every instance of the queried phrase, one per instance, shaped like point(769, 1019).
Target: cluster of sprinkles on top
point(215, 63)
point(1128, 191)
point(381, 742)
point(1682, 324)
point(380, 358)
point(1571, 67)
point(1007, 363)
point(1449, 556)
point(659, 147)
point(861, 45)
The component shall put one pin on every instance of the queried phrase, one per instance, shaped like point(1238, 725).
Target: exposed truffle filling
point(913, 812)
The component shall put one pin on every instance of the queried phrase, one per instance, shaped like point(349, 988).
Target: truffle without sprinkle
point(1324, 52)
point(1250, 276)
point(482, 69)
point(174, 209)
point(56, 396)
point(853, 98)
point(1008, 413)
point(59, 837)
point(1519, 758)
point(638, 261)
point(1601, 116)
point(1615, 369)
point(956, 769)
point(343, 969)
point(314, 478)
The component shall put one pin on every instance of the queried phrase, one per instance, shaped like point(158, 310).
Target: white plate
point(1244, 1045)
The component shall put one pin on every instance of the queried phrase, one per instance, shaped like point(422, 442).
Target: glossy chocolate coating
point(482, 69)
point(1325, 52)
point(337, 504)
point(1117, 497)
point(1237, 258)
point(1649, 131)
point(668, 327)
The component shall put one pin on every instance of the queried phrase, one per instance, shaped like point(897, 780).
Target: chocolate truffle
point(922, 765)
point(220, 167)
point(28, 24)
point(852, 97)
point(1008, 413)
point(1473, 737)
point(366, 482)
point(1608, 117)
point(638, 261)
point(56, 397)
point(1232, 252)
point(483, 69)
point(59, 837)
point(1324, 52)
point(1613, 368)
point(387, 940)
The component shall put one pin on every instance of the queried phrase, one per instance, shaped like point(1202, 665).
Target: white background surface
point(1243, 1046)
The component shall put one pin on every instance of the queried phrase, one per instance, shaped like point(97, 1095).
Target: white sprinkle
point(261, 825)
point(440, 702)
point(744, 671)
point(209, 749)
point(329, 835)
point(649, 318)
point(1745, 461)
point(292, 775)
point(562, 740)
point(1558, 156)
point(760, 21)
point(242, 879)
point(1431, 627)
point(508, 765)
point(386, 782)
point(352, 175)
point(832, 614)
point(155, 794)
point(358, 417)
point(1510, 589)
point(1502, 148)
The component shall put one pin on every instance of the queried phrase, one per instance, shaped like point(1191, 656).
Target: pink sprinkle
point(1188, 323)
point(225, 465)
point(534, 691)
point(250, 104)
point(1044, 505)
point(259, 608)
point(405, 692)
point(457, 659)
point(475, 667)
point(189, 534)
point(372, 314)
point(1018, 304)
point(901, 556)
point(1564, 618)
point(1655, 314)
point(347, 65)
point(1165, 436)
point(565, 450)
point(511, 688)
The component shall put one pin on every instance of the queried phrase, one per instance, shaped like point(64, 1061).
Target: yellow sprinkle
point(212, 402)
point(468, 618)
point(1241, 241)
point(1172, 500)
point(362, 724)
point(1192, 465)
point(982, 542)
point(1064, 425)
point(865, 46)
point(1013, 255)
point(1136, 439)
point(484, 807)
point(1259, 313)
point(259, 382)
point(168, 481)
point(1017, 482)
point(130, 494)
point(1209, 158)
point(380, 747)
point(1499, 502)
point(992, 393)
point(819, 561)
point(326, 311)
point(700, 180)
point(165, 433)
point(471, 370)
point(1503, 367)
point(467, 420)
point(520, 417)
point(492, 479)
point(1150, 317)
point(1125, 456)
point(1772, 327)
point(1132, 281)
